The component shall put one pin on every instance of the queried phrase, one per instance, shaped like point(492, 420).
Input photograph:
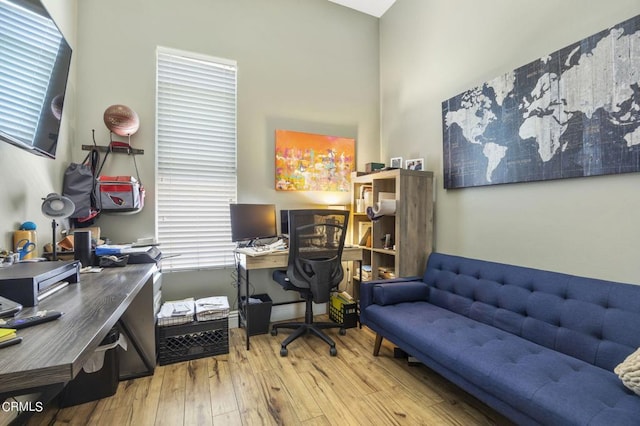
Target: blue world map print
point(573, 113)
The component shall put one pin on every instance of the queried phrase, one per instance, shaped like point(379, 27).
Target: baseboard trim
point(233, 319)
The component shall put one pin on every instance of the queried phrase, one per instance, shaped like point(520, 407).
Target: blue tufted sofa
point(538, 346)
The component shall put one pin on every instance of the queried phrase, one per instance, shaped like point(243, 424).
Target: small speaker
point(82, 247)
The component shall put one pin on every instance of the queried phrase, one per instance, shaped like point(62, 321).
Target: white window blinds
point(196, 159)
point(28, 45)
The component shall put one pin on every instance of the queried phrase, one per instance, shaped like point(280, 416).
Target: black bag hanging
point(79, 185)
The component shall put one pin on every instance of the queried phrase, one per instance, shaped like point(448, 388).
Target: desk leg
point(149, 364)
point(358, 298)
point(239, 294)
point(243, 313)
point(246, 311)
point(138, 324)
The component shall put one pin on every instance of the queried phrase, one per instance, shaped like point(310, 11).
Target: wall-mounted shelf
point(119, 149)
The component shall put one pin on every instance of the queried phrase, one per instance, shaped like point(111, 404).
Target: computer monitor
point(284, 222)
point(251, 222)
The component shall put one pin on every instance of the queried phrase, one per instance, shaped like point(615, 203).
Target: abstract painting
point(312, 162)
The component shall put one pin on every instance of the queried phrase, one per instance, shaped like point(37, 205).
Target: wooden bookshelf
point(410, 229)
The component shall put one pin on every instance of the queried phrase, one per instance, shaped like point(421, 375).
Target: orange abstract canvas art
point(312, 162)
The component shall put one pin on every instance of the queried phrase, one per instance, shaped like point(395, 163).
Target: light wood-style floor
point(309, 387)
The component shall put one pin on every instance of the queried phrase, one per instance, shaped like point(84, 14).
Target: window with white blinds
point(29, 45)
point(196, 159)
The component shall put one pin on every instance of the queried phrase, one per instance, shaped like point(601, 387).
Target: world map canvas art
point(572, 113)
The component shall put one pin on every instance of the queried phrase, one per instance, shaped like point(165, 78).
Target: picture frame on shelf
point(415, 164)
point(364, 234)
point(396, 162)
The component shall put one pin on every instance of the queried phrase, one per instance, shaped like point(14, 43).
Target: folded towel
point(176, 312)
point(211, 308)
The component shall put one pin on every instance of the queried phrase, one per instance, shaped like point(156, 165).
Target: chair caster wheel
point(333, 351)
point(283, 351)
point(342, 332)
point(274, 331)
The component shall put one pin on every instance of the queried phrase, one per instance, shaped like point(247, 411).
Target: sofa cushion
point(547, 385)
point(400, 292)
point(577, 316)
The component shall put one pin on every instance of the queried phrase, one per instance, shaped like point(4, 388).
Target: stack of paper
point(366, 273)
point(7, 334)
point(177, 312)
point(8, 337)
point(212, 308)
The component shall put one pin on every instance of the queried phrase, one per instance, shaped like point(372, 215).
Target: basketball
point(121, 120)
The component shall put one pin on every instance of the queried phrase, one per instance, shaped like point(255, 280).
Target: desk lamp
point(56, 207)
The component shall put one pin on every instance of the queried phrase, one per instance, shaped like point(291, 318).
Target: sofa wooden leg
point(377, 344)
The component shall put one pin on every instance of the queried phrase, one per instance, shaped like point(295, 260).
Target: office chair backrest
point(316, 240)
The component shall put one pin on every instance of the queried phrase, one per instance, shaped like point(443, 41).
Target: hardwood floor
point(308, 387)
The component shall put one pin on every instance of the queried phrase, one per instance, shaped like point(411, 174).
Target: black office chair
point(316, 240)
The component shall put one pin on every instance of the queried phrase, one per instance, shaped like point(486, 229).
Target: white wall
point(432, 50)
point(303, 65)
point(26, 178)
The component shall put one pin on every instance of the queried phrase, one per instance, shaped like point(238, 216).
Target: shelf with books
point(400, 240)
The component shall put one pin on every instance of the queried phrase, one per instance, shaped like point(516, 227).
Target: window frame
point(192, 213)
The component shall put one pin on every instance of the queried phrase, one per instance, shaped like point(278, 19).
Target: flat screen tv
point(34, 67)
point(250, 222)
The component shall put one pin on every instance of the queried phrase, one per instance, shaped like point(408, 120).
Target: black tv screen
point(34, 67)
point(253, 221)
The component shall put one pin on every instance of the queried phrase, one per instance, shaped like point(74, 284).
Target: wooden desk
point(274, 260)
point(53, 353)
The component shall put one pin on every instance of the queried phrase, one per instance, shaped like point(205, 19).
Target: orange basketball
point(121, 120)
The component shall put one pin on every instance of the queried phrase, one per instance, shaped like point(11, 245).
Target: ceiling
point(375, 8)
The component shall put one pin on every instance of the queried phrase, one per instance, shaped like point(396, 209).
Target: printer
point(149, 254)
point(137, 254)
point(28, 282)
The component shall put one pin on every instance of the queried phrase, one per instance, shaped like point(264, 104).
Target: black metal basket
point(193, 340)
